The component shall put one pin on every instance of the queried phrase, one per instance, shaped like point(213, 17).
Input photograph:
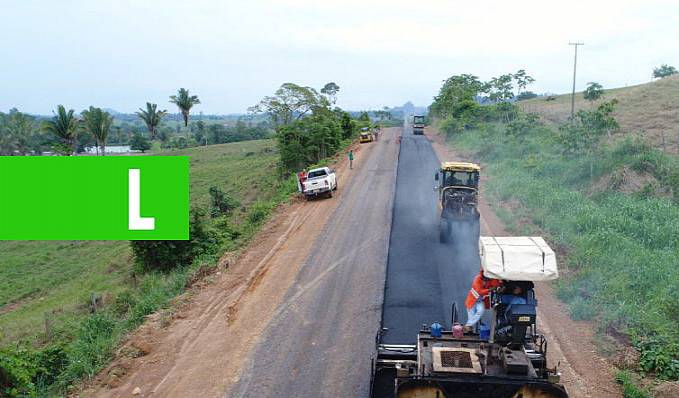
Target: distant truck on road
point(320, 181)
point(366, 135)
point(418, 125)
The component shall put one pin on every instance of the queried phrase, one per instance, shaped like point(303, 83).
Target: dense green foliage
point(458, 100)
point(20, 134)
point(622, 247)
point(307, 129)
point(139, 143)
point(664, 71)
point(221, 203)
point(593, 92)
point(165, 255)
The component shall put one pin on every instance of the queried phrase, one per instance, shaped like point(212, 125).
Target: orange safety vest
point(480, 289)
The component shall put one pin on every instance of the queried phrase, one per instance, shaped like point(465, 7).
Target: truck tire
point(330, 194)
point(335, 188)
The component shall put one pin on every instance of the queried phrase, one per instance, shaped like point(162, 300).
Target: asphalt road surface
point(320, 342)
point(424, 277)
point(379, 260)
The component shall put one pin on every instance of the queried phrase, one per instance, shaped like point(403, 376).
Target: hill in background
point(650, 109)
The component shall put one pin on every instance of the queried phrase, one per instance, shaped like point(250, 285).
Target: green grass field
point(57, 278)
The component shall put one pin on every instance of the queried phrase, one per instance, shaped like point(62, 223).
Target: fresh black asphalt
point(424, 276)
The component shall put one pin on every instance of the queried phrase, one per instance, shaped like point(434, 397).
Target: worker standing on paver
point(477, 299)
point(351, 159)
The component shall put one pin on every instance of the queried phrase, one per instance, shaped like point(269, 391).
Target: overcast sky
point(120, 54)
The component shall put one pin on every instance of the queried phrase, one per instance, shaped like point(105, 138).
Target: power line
point(575, 65)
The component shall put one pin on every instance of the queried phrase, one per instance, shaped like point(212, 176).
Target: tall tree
point(98, 123)
point(289, 103)
point(184, 102)
point(151, 117)
point(522, 80)
point(456, 89)
point(331, 89)
point(64, 126)
point(500, 88)
point(18, 133)
point(593, 92)
point(664, 71)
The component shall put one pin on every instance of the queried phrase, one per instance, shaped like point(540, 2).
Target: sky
point(121, 54)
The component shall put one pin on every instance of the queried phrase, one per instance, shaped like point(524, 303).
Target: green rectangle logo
point(94, 198)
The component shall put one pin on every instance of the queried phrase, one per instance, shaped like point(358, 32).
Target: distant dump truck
point(418, 125)
point(506, 360)
point(458, 187)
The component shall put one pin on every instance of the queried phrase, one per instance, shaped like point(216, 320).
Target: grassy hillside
point(57, 278)
point(618, 246)
point(651, 109)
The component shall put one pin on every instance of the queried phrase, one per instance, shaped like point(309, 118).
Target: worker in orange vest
point(477, 299)
point(301, 177)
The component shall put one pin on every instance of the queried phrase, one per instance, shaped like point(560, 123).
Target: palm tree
point(151, 116)
point(184, 102)
point(64, 125)
point(98, 123)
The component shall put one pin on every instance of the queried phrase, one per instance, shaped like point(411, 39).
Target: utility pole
point(575, 64)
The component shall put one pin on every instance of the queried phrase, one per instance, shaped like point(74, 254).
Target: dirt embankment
point(584, 372)
point(198, 349)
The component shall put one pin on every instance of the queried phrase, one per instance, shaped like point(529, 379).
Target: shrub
point(452, 126)
point(258, 212)
point(629, 388)
point(17, 372)
point(168, 254)
point(221, 203)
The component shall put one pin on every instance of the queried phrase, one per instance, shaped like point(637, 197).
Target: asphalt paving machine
point(510, 361)
point(458, 188)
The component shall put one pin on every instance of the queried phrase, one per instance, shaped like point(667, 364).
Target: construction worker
point(301, 176)
point(477, 299)
point(351, 159)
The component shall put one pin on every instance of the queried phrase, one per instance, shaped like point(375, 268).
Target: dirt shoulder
point(584, 372)
point(200, 348)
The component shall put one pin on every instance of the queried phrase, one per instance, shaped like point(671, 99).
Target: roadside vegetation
point(608, 203)
point(65, 306)
point(308, 128)
point(68, 132)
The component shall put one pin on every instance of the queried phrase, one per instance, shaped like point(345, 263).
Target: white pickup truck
point(321, 181)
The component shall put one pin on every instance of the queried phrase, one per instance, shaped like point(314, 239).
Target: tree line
point(464, 101)
point(67, 132)
point(308, 126)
